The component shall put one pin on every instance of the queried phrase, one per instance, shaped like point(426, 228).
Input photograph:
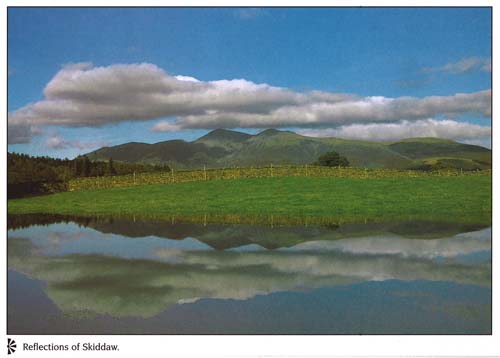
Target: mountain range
point(226, 148)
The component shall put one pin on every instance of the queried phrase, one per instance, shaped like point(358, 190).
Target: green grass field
point(459, 198)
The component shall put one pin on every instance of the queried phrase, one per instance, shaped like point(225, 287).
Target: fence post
point(173, 178)
point(271, 170)
point(134, 177)
point(205, 171)
point(306, 169)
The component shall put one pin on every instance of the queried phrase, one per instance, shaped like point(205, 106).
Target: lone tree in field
point(332, 159)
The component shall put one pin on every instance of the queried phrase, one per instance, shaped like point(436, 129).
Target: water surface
point(115, 276)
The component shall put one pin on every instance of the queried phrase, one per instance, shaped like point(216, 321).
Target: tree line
point(31, 175)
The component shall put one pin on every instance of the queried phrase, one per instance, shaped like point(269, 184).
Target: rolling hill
point(226, 148)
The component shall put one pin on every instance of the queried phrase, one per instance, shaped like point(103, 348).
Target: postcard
point(210, 174)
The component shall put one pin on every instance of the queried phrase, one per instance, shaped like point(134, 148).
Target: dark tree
point(111, 168)
point(77, 166)
point(86, 166)
point(332, 159)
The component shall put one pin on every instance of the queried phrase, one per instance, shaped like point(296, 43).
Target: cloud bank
point(447, 129)
point(84, 95)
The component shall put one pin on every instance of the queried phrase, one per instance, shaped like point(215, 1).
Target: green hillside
point(226, 148)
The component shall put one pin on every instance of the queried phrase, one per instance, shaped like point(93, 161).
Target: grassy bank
point(455, 198)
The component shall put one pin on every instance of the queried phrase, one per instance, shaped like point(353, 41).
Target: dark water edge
point(180, 227)
point(17, 221)
point(389, 307)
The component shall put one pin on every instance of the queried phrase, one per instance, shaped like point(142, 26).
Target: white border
point(259, 346)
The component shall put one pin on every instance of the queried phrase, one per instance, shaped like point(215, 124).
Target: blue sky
point(372, 57)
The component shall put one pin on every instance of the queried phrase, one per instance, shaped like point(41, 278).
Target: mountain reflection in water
point(144, 270)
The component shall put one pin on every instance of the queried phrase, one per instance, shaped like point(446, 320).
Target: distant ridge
point(224, 148)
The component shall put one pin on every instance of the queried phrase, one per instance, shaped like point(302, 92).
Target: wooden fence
point(170, 177)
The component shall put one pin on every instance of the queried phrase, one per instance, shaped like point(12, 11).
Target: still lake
point(119, 276)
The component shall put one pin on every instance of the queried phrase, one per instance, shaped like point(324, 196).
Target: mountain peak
point(221, 134)
point(269, 132)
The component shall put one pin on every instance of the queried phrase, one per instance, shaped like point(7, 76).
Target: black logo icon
point(11, 346)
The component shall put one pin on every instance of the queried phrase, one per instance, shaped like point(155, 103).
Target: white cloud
point(83, 95)
point(57, 142)
point(464, 65)
point(447, 129)
point(349, 111)
point(165, 126)
point(186, 78)
point(249, 13)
